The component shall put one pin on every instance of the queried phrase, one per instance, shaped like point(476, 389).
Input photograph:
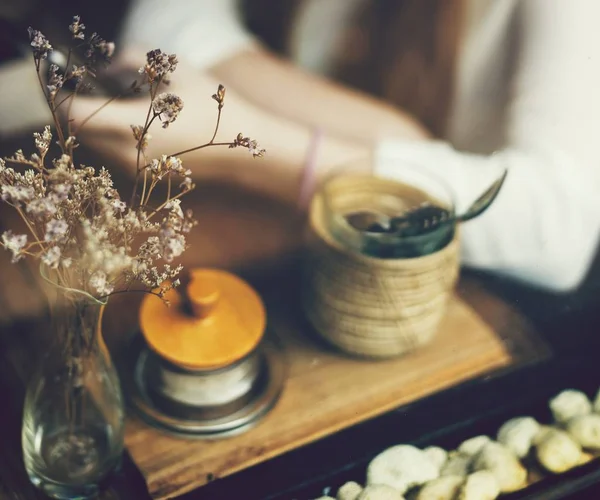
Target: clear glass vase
point(73, 421)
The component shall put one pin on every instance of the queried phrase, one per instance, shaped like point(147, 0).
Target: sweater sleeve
point(544, 226)
point(203, 32)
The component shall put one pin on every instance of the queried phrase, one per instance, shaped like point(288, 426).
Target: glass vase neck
point(61, 286)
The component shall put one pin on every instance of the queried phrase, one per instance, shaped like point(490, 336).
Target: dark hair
point(401, 50)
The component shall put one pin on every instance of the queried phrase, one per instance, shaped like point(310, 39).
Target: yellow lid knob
point(218, 321)
point(203, 296)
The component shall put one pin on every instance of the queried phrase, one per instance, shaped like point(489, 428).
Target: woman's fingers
point(121, 107)
point(93, 113)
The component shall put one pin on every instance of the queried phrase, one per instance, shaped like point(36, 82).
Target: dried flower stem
point(64, 100)
point(208, 144)
point(88, 118)
point(147, 124)
point(29, 226)
point(28, 163)
point(59, 131)
point(176, 197)
point(217, 125)
point(138, 157)
point(128, 290)
point(69, 120)
point(69, 134)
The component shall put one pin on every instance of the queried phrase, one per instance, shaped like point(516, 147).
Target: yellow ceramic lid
point(217, 320)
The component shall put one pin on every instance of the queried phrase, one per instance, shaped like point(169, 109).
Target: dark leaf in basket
point(367, 221)
point(484, 201)
point(420, 220)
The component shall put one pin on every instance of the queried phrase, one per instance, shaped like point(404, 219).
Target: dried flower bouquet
point(77, 223)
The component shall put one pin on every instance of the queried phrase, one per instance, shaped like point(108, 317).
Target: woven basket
point(371, 306)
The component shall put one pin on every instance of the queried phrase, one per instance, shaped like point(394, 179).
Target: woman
point(518, 78)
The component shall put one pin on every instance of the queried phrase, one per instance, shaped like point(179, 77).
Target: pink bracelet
point(308, 177)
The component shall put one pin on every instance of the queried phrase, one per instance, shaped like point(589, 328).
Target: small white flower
point(167, 165)
point(167, 106)
point(171, 164)
point(250, 144)
point(15, 243)
point(17, 194)
point(62, 191)
point(41, 207)
point(98, 282)
point(255, 150)
point(155, 166)
point(56, 230)
point(77, 28)
point(138, 266)
point(137, 135)
point(39, 43)
point(43, 140)
point(119, 205)
point(187, 184)
point(175, 207)
point(52, 257)
point(174, 164)
point(172, 243)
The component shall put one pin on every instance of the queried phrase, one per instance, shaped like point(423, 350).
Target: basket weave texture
point(369, 306)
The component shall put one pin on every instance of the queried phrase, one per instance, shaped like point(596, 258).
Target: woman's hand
point(109, 134)
point(106, 128)
point(285, 139)
point(277, 85)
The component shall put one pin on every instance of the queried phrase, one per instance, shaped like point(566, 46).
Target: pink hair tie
point(309, 177)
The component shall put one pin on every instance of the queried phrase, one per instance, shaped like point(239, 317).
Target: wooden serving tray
point(546, 382)
point(327, 391)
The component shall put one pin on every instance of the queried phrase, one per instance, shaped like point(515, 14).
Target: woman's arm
point(209, 35)
point(544, 226)
point(286, 90)
point(276, 175)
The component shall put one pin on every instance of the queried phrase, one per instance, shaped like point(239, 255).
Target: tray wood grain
point(327, 391)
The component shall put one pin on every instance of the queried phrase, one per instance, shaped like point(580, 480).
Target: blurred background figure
point(464, 88)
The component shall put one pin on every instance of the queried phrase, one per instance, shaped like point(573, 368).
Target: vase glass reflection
point(73, 421)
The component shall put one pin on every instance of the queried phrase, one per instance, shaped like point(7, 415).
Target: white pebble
point(474, 445)
point(401, 467)
point(544, 431)
point(437, 455)
point(569, 404)
point(458, 464)
point(349, 491)
point(517, 434)
point(586, 431)
point(442, 488)
point(558, 452)
point(585, 458)
point(597, 402)
point(380, 492)
point(503, 464)
point(480, 485)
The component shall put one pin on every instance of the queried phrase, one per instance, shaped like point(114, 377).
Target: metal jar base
point(204, 422)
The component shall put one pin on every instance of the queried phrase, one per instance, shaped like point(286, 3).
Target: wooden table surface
point(19, 344)
point(234, 232)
